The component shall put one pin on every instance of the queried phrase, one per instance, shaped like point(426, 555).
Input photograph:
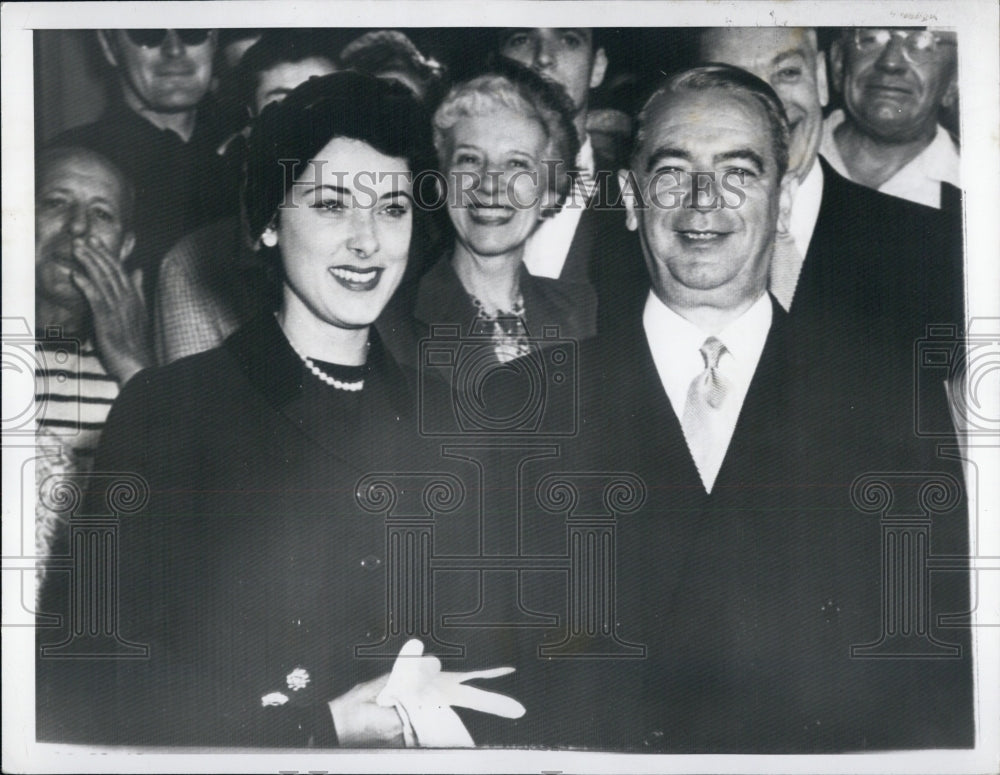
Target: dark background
point(72, 83)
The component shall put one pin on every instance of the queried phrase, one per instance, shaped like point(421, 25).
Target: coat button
point(830, 609)
point(371, 562)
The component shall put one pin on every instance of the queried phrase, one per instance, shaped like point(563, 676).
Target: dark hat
point(289, 133)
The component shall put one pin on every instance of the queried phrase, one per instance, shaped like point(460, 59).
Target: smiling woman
point(242, 572)
point(506, 145)
point(330, 204)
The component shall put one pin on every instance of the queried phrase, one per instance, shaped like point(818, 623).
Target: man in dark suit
point(894, 264)
point(162, 130)
point(585, 241)
point(749, 587)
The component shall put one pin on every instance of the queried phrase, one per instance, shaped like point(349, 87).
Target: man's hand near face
point(118, 307)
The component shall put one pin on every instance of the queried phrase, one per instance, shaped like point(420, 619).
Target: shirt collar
point(744, 337)
point(741, 337)
point(805, 208)
point(585, 158)
point(940, 160)
point(674, 343)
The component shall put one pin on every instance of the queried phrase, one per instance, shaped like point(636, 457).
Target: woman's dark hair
point(380, 51)
point(275, 47)
point(288, 134)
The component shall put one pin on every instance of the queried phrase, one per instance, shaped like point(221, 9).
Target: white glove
point(423, 696)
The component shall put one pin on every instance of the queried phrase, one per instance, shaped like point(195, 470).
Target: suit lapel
point(761, 424)
point(442, 299)
point(643, 435)
point(581, 249)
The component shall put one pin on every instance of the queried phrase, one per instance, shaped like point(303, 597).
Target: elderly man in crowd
point(162, 131)
point(747, 577)
point(83, 237)
point(892, 263)
point(84, 296)
point(584, 241)
point(894, 84)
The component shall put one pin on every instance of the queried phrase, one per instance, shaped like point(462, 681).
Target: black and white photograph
point(406, 391)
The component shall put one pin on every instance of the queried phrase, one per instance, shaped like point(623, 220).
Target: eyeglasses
point(155, 38)
point(919, 46)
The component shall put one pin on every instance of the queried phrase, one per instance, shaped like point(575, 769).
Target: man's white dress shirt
point(920, 180)
point(547, 248)
point(805, 208)
point(675, 344)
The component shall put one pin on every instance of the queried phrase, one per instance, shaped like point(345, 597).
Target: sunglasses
point(155, 38)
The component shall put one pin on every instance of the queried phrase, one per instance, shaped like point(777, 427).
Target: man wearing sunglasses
point(161, 130)
point(894, 83)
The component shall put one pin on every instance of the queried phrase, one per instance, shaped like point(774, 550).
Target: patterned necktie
point(701, 418)
point(786, 265)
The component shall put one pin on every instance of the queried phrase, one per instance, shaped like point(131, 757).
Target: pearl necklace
point(323, 376)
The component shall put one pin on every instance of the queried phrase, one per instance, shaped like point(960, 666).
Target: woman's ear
point(269, 237)
point(836, 80)
point(551, 203)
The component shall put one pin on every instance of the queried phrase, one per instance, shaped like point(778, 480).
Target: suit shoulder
point(570, 291)
point(874, 204)
point(198, 377)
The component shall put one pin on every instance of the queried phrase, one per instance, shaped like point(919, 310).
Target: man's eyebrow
point(510, 32)
point(96, 200)
point(742, 153)
point(792, 52)
point(395, 194)
point(665, 152)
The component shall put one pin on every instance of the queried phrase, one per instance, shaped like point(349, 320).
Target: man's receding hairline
point(808, 34)
point(61, 154)
point(51, 157)
point(741, 95)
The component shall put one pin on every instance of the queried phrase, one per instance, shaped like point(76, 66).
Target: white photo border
point(977, 23)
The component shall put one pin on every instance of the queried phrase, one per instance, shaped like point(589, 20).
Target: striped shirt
point(73, 395)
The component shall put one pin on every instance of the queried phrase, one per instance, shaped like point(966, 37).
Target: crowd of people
point(275, 257)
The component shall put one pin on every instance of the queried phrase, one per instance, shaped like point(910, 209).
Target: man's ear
point(786, 197)
point(108, 46)
point(837, 65)
point(128, 245)
point(598, 68)
point(627, 183)
point(822, 85)
point(951, 93)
